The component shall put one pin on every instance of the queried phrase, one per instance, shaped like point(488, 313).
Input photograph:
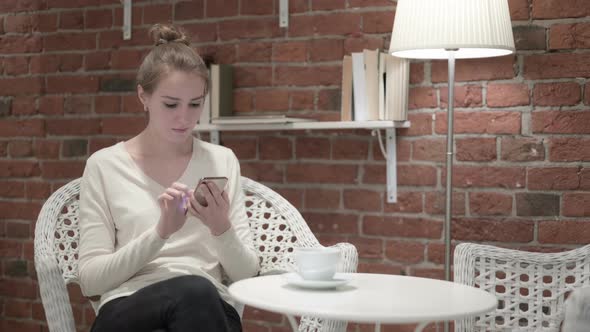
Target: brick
point(109, 103)
point(252, 76)
point(576, 205)
point(18, 230)
point(322, 198)
point(254, 52)
point(20, 149)
point(20, 210)
point(421, 125)
point(12, 189)
point(263, 172)
point(329, 100)
point(569, 149)
point(71, 20)
point(20, 44)
point(243, 101)
point(326, 50)
point(476, 149)
point(585, 179)
point(21, 86)
point(136, 17)
point(429, 149)
point(534, 204)
point(357, 43)
point(17, 325)
point(417, 175)
point(379, 268)
point(51, 105)
point(465, 229)
point(69, 41)
point(62, 169)
point(97, 60)
point(553, 178)
point(569, 36)
point(350, 149)
point(307, 75)
point(47, 22)
point(464, 96)
point(249, 28)
point(325, 24)
point(52, 63)
point(24, 23)
point(24, 105)
point(327, 4)
point(481, 122)
point(378, 22)
point(522, 149)
point(189, 10)
point(436, 252)
point(295, 51)
point(47, 149)
point(96, 144)
point(402, 227)
point(117, 85)
point(556, 94)
point(70, 4)
point(131, 104)
point(18, 309)
point(157, 13)
point(407, 202)
point(275, 148)
point(38, 190)
point(27, 128)
point(366, 247)
point(564, 232)
point(332, 223)
point(98, 19)
point(127, 59)
point(71, 84)
point(519, 9)
point(320, 173)
point(73, 127)
point(561, 122)
point(202, 32)
point(490, 204)
point(405, 251)
point(487, 177)
point(78, 104)
point(18, 268)
point(362, 200)
point(530, 37)
point(74, 148)
point(114, 38)
point(257, 7)
point(123, 125)
point(5, 106)
point(560, 9)
point(10, 248)
point(16, 66)
point(312, 148)
point(495, 68)
point(3, 149)
point(422, 97)
point(302, 100)
point(272, 100)
point(435, 203)
point(417, 73)
point(293, 196)
point(562, 65)
point(507, 95)
point(222, 9)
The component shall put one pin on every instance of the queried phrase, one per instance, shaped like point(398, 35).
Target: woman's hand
point(215, 214)
point(173, 207)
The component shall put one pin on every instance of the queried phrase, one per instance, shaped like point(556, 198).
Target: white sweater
point(120, 249)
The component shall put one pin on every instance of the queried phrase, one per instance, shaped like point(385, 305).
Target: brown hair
point(172, 51)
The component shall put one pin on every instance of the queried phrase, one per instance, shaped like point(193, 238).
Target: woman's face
point(175, 105)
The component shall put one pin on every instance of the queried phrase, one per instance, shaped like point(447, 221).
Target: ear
point(143, 96)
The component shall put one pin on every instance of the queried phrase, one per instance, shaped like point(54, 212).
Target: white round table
point(368, 298)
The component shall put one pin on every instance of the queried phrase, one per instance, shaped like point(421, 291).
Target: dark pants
point(187, 303)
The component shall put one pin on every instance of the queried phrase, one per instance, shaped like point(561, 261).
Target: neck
point(151, 145)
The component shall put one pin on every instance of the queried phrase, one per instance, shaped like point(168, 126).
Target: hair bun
point(166, 33)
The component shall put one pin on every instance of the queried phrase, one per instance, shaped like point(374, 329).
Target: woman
point(147, 247)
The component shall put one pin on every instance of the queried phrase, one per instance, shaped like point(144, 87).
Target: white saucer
point(296, 280)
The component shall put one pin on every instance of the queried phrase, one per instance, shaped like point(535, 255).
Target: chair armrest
point(54, 295)
point(348, 258)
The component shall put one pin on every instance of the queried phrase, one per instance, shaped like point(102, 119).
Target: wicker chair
point(276, 225)
point(531, 287)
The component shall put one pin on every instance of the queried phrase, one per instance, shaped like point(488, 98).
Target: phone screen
point(220, 182)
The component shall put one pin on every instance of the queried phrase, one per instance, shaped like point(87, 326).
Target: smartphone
point(220, 182)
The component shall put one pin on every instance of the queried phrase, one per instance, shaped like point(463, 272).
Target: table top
point(367, 298)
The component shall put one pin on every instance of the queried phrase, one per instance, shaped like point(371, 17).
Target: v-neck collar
point(151, 180)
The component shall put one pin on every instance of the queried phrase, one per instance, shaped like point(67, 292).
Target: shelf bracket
point(284, 13)
point(126, 19)
point(214, 137)
point(391, 166)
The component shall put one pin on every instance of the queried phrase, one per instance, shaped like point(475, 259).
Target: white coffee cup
point(316, 263)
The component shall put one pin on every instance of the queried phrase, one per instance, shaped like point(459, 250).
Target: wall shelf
point(389, 126)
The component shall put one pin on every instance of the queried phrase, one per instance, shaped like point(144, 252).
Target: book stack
point(374, 87)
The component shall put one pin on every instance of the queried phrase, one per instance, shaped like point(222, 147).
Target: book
point(371, 59)
point(397, 87)
point(346, 97)
point(221, 90)
point(206, 113)
point(258, 119)
point(359, 88)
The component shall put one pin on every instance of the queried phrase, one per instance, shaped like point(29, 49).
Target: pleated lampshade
point(425, 29)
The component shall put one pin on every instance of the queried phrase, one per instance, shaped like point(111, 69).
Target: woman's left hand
point(216, 214)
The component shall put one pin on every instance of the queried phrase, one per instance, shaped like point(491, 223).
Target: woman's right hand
point(173, 207)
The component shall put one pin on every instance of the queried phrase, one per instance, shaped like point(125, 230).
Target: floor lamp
point(451, 29)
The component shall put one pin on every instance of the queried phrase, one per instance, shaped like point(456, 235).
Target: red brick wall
point(522, 128)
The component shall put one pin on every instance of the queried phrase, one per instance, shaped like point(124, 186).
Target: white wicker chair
point(531, 287)
point(276, 225)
